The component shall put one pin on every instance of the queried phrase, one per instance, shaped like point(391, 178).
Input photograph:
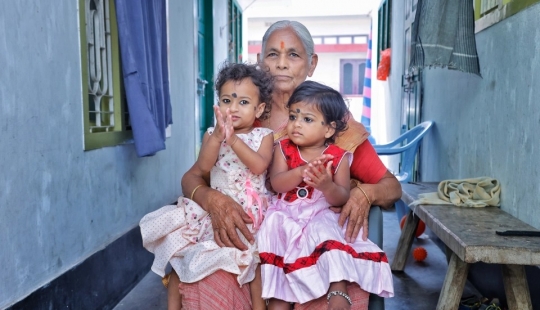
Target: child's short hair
point(327, 100)
point(238, 71)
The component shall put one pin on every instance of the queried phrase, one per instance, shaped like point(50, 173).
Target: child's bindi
point(282, 45)
point(297, 110)
point(234, 95)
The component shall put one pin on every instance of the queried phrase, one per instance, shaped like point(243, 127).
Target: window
point(352, 76)
point(490, 12)
point(106, 121)
point(385, 26)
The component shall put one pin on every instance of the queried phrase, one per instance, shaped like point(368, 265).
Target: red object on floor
point(419, 230)
point(419, 254)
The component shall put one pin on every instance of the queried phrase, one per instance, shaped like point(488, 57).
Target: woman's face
point(287, 60)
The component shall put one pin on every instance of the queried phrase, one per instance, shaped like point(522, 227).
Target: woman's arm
point(257, 161)
point(385, 192)
point(380, 187)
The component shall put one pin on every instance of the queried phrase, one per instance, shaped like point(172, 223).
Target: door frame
point(203, 110)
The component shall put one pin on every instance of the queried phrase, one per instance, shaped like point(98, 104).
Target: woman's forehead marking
point(234, 95)
point(297, 110)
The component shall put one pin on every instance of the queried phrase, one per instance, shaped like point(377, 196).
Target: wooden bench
point(469, 233)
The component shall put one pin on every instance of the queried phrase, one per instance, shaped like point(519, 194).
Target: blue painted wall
point(60, 204)
point(489, 126)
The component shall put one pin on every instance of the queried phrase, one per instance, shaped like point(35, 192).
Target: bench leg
point(405, 242)
point(516, 287)
point(453, 285)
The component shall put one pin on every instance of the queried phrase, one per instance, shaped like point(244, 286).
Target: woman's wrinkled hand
point(228, 216)
point(356, 210)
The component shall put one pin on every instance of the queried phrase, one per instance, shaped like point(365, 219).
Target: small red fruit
point(419, 229)
point(419, 254)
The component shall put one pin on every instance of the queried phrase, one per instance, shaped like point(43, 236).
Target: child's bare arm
point(257, 161)
point(209, 152)
point(336, 189)
point(281, 178)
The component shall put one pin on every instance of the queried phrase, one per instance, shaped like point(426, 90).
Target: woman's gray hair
point(298, 28)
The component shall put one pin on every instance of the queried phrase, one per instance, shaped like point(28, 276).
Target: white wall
point(328, 69)
point(303, 8)
point(386, 95)
point(221, 32)
point(317, 25)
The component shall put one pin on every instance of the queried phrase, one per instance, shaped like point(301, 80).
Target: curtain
point(142, 29)
point(443, 36)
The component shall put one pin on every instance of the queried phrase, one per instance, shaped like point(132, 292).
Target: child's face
point(242, 100)
point(306, 126)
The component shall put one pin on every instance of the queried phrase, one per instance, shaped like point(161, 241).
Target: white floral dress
point(182, 234)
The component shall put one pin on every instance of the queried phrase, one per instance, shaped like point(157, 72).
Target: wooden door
point(411, 82)
point(411, 79)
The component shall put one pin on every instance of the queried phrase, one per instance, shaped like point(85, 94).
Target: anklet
point(340, 293)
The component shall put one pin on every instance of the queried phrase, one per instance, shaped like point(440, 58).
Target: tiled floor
point(417, 288)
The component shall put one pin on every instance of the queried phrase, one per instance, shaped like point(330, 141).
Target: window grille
point(100, 90)
point(106, 117)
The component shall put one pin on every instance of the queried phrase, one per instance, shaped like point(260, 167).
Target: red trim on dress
point(308, 261)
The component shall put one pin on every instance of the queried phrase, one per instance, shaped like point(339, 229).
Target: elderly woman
point(288, 54)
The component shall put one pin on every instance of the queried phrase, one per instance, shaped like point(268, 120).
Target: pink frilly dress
point(182, 234)
point(303, 249)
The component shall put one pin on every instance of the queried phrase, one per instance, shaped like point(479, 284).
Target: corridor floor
point(417, 288)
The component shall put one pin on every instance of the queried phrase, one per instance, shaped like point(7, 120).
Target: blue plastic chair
point(407, 144)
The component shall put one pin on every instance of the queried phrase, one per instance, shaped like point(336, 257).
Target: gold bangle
point(358, 185)
point(194, 190)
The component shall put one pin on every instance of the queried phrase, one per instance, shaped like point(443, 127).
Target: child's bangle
point(194, 190)
point(358, 185)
